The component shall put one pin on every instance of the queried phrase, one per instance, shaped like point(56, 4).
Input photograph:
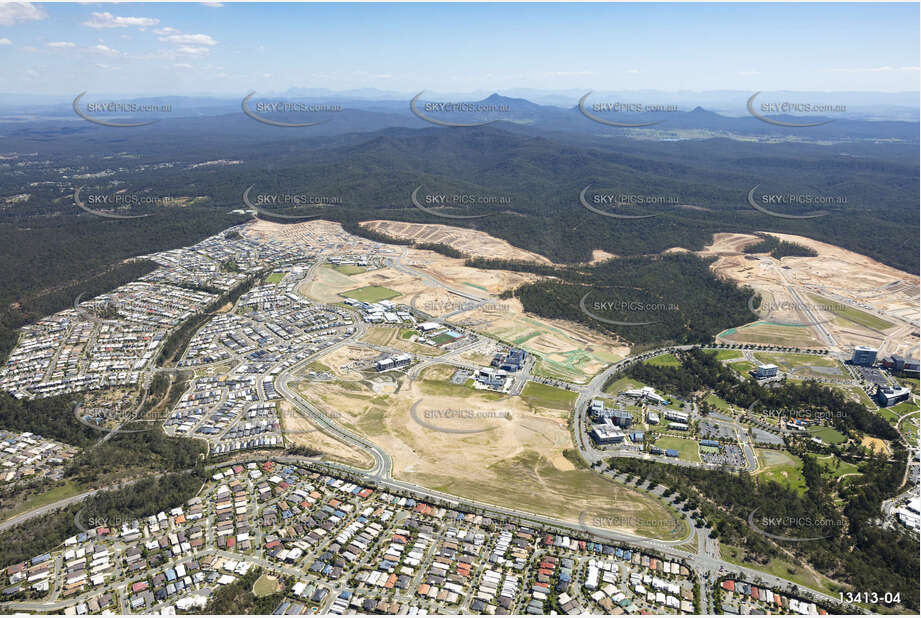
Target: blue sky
point(138, 48)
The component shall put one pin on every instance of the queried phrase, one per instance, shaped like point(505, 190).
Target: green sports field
point(687, 449)
point(370, 294)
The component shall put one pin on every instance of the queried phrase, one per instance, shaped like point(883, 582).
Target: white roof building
point(647, 392)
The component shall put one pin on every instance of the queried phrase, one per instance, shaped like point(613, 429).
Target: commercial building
point(394, 362)
point(600, 413)
point(864, 355)
point(511, 361)
point(761, 372)
point(900, 364)
point(493, 378)
point(891, 395)
point(678, 417)
point(606, 434)
point(910, 514)
point(647, 392)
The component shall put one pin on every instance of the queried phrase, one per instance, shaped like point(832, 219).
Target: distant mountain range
point(364, 114)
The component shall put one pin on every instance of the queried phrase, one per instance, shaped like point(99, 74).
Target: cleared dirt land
point(857, 299)
point(569, 351)
point(298, 431)
point(485, 445)
point(469, 242)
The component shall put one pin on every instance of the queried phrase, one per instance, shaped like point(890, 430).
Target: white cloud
point(214, 5)
point(13, 12)
point(183, 65)
point(32, 74)
point(107, 67)
point(61, 44)
point(107, 20)
point(5, 42)
point(191, 50)
point(165, 31)
point(189, 39)
point(104, 49)
point(633, 71)
point(886, 69)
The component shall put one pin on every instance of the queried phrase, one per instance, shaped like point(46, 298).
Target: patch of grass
point(687, 449)
point(790, 360)
point(827, 435)
point(836, 468)
point(664, 360)
point(442, 339)
point(265, 585)
point(717, 402)
point(911, 383)
point(909, 428)
point(66, 490)
point(350, 269)
point(782, 468)
point(766, 333)
point(622, 385)
point(902, 408)
point(852, 314)
point(742, 367)
point(543, 396)
point(722, 355)
point(857, 394)
point(319, 367)
point(275, 277)
point(781, 568)
point(889, 414)
point(370, 294)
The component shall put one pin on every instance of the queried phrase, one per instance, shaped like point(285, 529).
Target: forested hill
point(701, 186)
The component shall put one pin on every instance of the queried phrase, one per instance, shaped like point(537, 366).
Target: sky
point(228, 48)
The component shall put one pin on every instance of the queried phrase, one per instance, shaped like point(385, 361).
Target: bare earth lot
point(854, 283)
point(483, 445)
